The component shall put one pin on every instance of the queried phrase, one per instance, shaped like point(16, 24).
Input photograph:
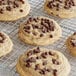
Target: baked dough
point(5, 44)
point(43, 62)
point(40, 31)
point(71, 44)
point(61, 8)
point(11, 10)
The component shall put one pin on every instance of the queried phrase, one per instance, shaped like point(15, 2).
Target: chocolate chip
point(37, 67)
point(57, 6)
point(9, 2)
point(29, 53)
point(38, 57)
point(49, 26)
point(44, 63)
point(44, 55)
point(32, 59)
point(37, 50)
point(30, 19)
point(27, 27)
point(74, 33)
point(52, 28)
point(35, 26)
point(34, 33)
point(21, 10)
point(8, 8)
point(69, 4)
point(2, 38)
point(73, 42)
point(51, 36)
point(41, 35)
point(48, 70)
point(55, 61)
point(27, 31)
point(42, 72)
point(16, 4)
point(35, 19)
point(52, 13)
point(22, 1)
point(51, 53)
point(1, 11)
point(44, 30)
point(28, 65)
point(55, 72)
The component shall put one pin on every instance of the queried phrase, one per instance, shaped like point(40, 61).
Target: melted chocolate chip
point(51, 36)
point(22, 1)
point(44, 62)
point(73, 42)
point(49, 26)
point(8, 8)
point(41, 35)
point(1, 11)
point(37, 50)
point(55, 61)
point(35, 26)
point(27, 31)
point(55, 72)
point(34, 33)
point(38, 57)
point(51, 53)
point(48, 70)
point(27, 27)
point(2, 38)
point(28, 65)
point(21, 10)
point(42, 71)
point(35, 19)
point(32, 59)
point(16, 5)
point(44, 55)
point(57, 6)
point(74, 33)
point(29, 53)
point(30, 19)
point(37, 67)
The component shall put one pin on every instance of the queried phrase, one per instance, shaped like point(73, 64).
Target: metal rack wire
point(11, 28)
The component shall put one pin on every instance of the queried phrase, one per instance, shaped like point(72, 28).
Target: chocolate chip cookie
point(43, 62)
point(61, 8)
point(11, 10)
point(5, 44)
point(71, 44)
point(40, 31)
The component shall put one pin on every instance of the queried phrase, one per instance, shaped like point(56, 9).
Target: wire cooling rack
point(11, 28)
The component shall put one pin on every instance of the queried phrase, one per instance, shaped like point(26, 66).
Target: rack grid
point(11, 28)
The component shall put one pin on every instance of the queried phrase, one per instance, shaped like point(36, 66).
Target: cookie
point(11, 10)
point(43, 62)
point(71, 44)
point(5, 44)
point(61, 8)
point(40, 31)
